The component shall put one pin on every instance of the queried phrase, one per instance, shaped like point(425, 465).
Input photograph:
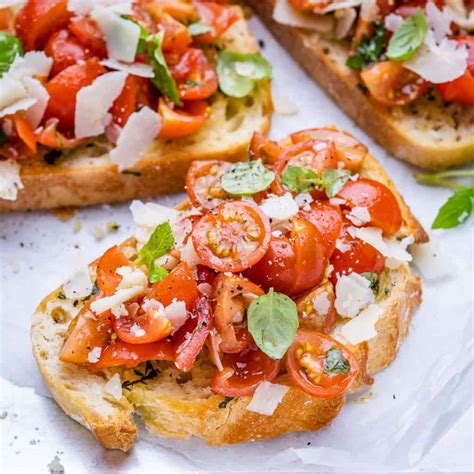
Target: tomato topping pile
point(183, 78)
point(251, 271)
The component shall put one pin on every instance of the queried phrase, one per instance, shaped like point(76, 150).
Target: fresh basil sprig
point(239, 72)
point(245, 179)
point(369, 50)
point(458, 207)
point(300, 179)
point(159, 244)
point(273, 321)
point(333, 180)
point(335, 362)
point(196, 29)
point(10, 47)
point(163, 79)
point(408, 37)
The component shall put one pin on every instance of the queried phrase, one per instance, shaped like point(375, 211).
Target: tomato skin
point(243, 372)
point(327, 218)
point(264, 149)
point(89, 34)
point(65, 49)
point(190, 339)
point(176, 35)
point(390, 84)
point(121, 353)
point(25, 131)
point(178, 123)
point(219, 235)
point(229, 302)
point(179, 284)
point(38, 19)
point(328, 386)
point(349, 150)
point(203, 183)
point(378, 199)
point(218, 17)
point(107, 277)
point(194, 68)
point(50, 137)
point(63, 89)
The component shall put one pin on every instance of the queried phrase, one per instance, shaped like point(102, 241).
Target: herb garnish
point(369, 50)
point(245, 179)
point(150, 373)
point(373, 279)
point(10, 48)
point(95, 290)
point(335, 362)
point(225, 402)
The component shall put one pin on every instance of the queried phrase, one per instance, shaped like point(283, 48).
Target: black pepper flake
point(225, 402)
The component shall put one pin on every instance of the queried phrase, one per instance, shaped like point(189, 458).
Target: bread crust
point(384, 125)
point(163, 169)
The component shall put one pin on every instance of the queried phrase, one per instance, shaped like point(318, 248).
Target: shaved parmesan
point(267, 397)
point(216, 340)
point(136, 137)
point(339, 5)
point(79, 285)
point(131, 278)
point(280, 208)
point(11, 91)
point(321, 303)
point(303, 199)
point(177, 314)
point(189, 255)
point(285, 14)
point(392, 21)
point(83, 7)
point(353, 294)
point(151, 214)
point(94, 101)
point(114, 387)
point(94, 355)
point(153, 304)
point(121, 35)
point(433, 260)
point(439, 21)
point(359, 215)
point(284, 106)
point(22, 104)
point(10, 181)
point(37, 91)
point(119, 297)
point(135, 69)
point(33, 63)
point(464, 20)
point(362, 328)
point(439, 63)
point(345, 22)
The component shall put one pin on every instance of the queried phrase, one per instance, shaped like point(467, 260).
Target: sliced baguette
point(177, 405)
point(87, 176)
point(429, 134)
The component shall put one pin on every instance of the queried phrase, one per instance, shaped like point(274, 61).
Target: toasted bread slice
point(428, 133)
point(178, 405)
point(87, 176)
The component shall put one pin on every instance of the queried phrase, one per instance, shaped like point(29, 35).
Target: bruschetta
point(247, 312)
point(113, 101)
point(402, 70)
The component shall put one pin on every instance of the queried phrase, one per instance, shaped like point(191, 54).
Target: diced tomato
point(179, 284)
point(25, 131)
point(89, 34)
point(130, 355)
point(232, 237)
point(64, 87)
point(378, 199)
point(176, 36)
point(65, 49)
point(243, 372)
point(39, 19)
point(178, 123)
point(7, 19)
point(181, 10)
point(218, 17)
point(107, 277)
point(265, 149)
point(50, 137)
point(205, 274)
point(310, 367)
point(233, 296)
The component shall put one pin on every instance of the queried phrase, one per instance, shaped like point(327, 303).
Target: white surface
point(430, 379)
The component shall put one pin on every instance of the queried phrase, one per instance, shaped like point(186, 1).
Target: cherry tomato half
point(233, 296)
point(176, 35)
point(243, 372)
point(232, 237)
point(107, 277)
point(203, 183)
point(89, 34)
point(319, 365)
point(378, 199)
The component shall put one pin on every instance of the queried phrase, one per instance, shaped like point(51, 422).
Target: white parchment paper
point(409, 409)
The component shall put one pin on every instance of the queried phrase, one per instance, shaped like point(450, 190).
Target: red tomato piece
point(39, 19)
point(65, 49)
point(203, 183)
point(89, 34)
point(390, 84)
point(378, 199)
point(25, 131)
point(264, 149)
point(233, 296)
point(130, 355)
point(178, 123)
point(310, 368)
point(107, 277)
point(218, 17)
point(176, 35)
point(327, 218)
point(50, 137)
point(243, 372)
point(195, 77)
point(190, 339)
point(181, 10)
point(309, 5)
point(63, 89)
point(232, 237)
point(179, 284)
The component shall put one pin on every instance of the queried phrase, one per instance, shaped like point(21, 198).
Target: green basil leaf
point(408, 37)
point(163, 79)
point(196, 29)
point(159, 244)
point(455, 211)
point(3, 137)
point(245, 179)
point(273, 321)
point(10, 47)
point(333, 180)
point(369, 50)
point(239, 72)
point(335, 362)
point(300, 179)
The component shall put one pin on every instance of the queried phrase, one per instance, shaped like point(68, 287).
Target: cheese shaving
point(267, 397)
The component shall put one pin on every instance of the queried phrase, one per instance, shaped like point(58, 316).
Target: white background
point(39, 251)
